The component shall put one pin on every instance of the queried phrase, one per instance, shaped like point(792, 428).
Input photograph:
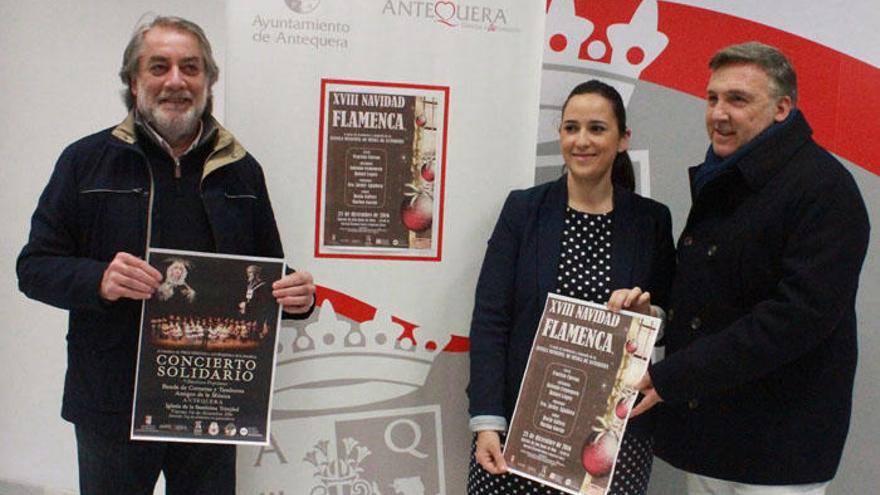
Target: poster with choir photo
point(381, 169)
point(577, 394)
point(206, 357)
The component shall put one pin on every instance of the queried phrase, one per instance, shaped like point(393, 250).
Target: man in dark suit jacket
point(761, 332)
point(257, 303)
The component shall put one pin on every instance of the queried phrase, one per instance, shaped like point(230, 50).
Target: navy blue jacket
point(761, 332)
point(520, 269)
point(95, 205)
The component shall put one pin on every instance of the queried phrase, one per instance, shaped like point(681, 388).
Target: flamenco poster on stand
point(206, 357)
point(577, 393)
point(381, 163)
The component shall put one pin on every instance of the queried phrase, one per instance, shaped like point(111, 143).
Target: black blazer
point(520, 267)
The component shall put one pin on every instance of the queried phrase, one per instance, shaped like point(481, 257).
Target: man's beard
point(174, 128)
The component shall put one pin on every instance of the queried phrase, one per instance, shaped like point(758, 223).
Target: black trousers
point(111, 465)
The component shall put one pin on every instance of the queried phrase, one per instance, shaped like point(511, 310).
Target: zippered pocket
point(111, 219)
point(240, 196)
point(136, 190)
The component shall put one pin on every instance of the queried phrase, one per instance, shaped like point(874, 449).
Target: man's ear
point(783, 109)
point(133, 83)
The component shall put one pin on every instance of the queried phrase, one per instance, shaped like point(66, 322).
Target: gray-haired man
point(761, 334)
point(169, 176)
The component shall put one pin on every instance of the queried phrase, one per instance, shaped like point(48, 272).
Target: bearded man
point(169, 176)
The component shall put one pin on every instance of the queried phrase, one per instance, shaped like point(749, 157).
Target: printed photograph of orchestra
point(212, 303)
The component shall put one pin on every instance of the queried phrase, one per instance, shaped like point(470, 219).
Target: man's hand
point(295, 292)
point(631, 299)
point(488, 452)
point(646, 387)
point(130, 277)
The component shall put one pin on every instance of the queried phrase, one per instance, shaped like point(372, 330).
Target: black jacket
point(95, 205)
point(520, 268)
point(761, 332)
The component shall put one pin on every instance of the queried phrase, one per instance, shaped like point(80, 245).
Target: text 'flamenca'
point(577, 334)
point(367, 120)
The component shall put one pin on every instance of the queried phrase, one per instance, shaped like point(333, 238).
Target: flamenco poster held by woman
point(206, 357)
point(381, 170)
point(577, 394)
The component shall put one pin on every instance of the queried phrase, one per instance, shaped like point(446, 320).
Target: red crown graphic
point(591, 39)
point(598, 42)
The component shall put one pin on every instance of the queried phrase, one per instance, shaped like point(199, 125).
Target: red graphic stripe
point(350, 307)
point(359, 311)
point(837, 93)
point(459, 343)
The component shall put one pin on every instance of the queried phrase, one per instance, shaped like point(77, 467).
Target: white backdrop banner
point(390, 133)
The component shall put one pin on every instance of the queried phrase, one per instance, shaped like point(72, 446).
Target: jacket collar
point(759, 165)
point(226, 148)
point(767, 159)
point(551, 218)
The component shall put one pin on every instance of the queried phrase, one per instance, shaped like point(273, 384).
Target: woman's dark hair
point(622, 174)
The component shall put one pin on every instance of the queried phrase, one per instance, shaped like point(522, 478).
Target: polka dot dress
point(585, 258)
point(585, 273)
point(630, 475)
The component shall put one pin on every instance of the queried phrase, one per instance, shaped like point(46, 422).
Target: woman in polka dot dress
point(584, 235)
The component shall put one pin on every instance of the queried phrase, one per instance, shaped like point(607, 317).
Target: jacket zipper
point(150, 207)
point(177, 175)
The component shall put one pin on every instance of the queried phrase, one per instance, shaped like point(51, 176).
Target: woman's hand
point(631, 299)
point(488, 452)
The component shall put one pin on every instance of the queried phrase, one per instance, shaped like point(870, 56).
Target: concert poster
point(577, 394)
point(381, 170)
point(206, 356)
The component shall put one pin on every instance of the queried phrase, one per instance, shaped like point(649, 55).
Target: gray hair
point(131, 56)
point(783, 80)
